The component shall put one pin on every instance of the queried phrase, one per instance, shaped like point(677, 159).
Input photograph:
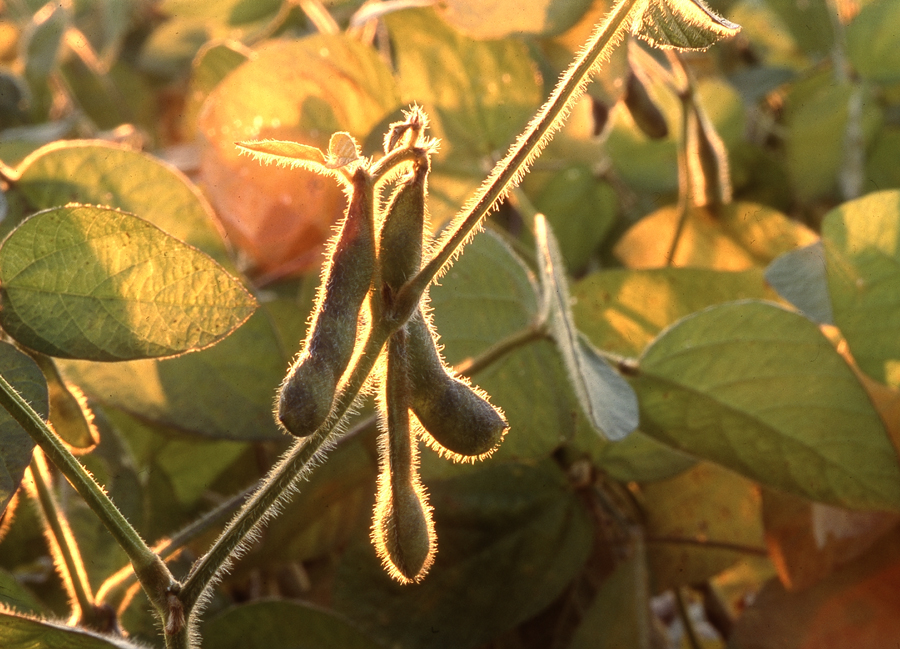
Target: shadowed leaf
point(682, 24)
point(96, 283)
point(760, 390)
point(21, 372)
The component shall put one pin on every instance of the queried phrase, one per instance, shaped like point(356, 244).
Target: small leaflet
point(342, 150)
point(682, 25)
point(284, 153)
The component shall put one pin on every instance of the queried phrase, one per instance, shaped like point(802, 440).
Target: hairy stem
point(150, 569)
point(119, 582)
point(510, 170)
point(281, 480)
point(62, 543)
point(472, 365)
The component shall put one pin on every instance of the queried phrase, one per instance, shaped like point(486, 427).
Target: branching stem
point(150, 569)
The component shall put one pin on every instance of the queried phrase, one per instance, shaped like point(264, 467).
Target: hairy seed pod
point(308, 390)
point(458, 420)
point(402, 530)
point(644, 110)
point(400, 243)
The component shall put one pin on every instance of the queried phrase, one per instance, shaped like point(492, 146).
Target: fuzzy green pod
point(458, 419)
point(402, 530)
point(308, 390)
point(400, 242)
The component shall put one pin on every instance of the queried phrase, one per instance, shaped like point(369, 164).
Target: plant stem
point(124, 578)
point(501, 348)
point(510, 170)
point(150, 569)
point(62, 543)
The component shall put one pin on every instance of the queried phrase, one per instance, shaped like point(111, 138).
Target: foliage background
point(774, 530)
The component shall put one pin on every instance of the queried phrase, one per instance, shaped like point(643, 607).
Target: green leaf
point(13, 595)
point(682, 25)
point(800, 278)
point(279, 623)
point(212, 64)
point(21, 372)
point(761, 391)
point(501, 18)
point(118, 288)
point(189, 463)
point(581, 209)
point(326, 513)
point(482, 93)
point(100, 173)
point(42, 40)
point(862, 248)
point(17, 632)
point(817, 110)
point(705, 505)
point(619, 616)
point(873, 46)
point(604, 396)
point(478, 94)
point(881, 172)
point(808, 22)
point(225, 391)
point(512, 537)
point(624, 310)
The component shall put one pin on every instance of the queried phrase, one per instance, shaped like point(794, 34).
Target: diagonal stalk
point(63, 545)
point(510, 170)
point(153, 574)
point(112, 590)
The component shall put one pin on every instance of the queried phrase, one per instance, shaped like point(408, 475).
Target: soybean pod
point(308, 390)
point(458, 419)
point(402, 530)
point(400, 242)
